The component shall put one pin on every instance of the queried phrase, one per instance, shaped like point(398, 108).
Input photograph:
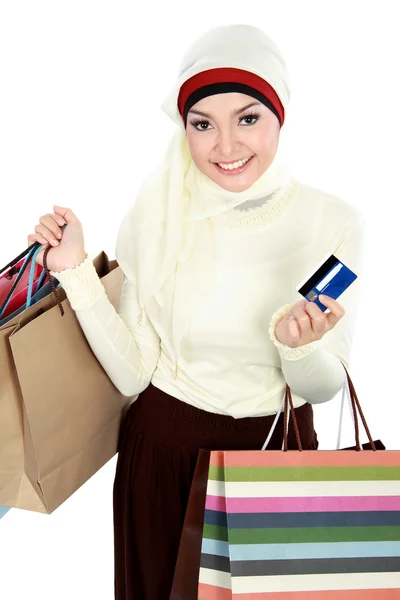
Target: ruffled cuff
point(82, 285)
point(286, 352)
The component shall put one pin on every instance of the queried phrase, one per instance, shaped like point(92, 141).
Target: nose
point(227, 142)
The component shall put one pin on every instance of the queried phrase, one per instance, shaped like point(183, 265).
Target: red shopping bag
point(15, 280)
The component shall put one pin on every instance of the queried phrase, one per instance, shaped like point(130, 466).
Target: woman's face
point(225, 130)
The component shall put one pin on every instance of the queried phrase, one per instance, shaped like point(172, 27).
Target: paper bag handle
point(287, 404)
point(18, 258)
point(356, 408)
point(288, 401)
point(53, 287)
point(30, 257)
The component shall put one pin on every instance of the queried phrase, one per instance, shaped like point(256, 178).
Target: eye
point(200, 125)
point(250, 119)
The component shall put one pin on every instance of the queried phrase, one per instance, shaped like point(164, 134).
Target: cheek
point(266, 142)
point(199, 147)
point(265, 145)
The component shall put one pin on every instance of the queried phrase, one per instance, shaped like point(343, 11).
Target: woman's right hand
point(67, 245)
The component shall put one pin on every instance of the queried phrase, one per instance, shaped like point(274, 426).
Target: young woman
point(209, 327)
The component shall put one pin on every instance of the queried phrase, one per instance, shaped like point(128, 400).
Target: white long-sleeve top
point(230, 360)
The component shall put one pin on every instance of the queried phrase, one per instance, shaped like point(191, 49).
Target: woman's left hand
point(306, 323)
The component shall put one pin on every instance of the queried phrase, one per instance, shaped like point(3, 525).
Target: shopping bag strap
point(20, 257)
point(345, 394)
point(32, 277)
point(17, 280)
point(274, 424)
point(289, 403)
point(30, 257)
point(286, 404)
point(287, 407)
point(357, 408)
point(49, 277)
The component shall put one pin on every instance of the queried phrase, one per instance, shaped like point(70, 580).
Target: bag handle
point(31, 279)
point(18, 278)
point(49, 277)
point(287, 403)
point(30, 254)
point(357, 407)
point(287, 400)
point(20, 256)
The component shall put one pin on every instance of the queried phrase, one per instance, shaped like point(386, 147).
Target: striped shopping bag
point(318, 525)
point(293, 525)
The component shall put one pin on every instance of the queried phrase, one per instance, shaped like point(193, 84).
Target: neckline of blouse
point(252, 215)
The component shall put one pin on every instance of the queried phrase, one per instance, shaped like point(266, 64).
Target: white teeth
point(235, 165)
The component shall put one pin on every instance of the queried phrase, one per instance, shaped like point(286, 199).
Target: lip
point(233, 171)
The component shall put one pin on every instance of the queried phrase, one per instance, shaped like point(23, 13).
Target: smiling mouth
point(237, 166)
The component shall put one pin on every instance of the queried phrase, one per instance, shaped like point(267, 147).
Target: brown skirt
point(159, 440)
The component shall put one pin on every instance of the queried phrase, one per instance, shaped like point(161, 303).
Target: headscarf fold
point(165, 241)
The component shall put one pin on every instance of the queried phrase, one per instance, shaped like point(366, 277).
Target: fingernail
point(54, 242)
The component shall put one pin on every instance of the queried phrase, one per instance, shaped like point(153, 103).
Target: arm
point(314, 371)
point(127, 347)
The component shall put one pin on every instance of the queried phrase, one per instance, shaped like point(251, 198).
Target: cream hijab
point(165, 242)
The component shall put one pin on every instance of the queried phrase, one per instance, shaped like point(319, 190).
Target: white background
point(80, 125)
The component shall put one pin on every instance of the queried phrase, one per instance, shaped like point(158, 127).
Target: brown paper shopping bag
point(59, 412)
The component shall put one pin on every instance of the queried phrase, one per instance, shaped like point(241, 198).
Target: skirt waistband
point(159, 415)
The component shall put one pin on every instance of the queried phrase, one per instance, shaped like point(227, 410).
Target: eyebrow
point(236, 112)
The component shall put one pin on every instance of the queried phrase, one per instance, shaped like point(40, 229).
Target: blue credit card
point(332, 278)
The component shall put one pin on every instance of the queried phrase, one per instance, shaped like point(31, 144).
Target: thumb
point(66, 213)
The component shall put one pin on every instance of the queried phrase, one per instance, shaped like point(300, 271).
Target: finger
point(301, 304)
point(50, 222)
point(66, 213)
point(294, 330)
point(332, 304)
point(337, 311)
point(46, 234)
point(34, 238)
point(303, 320)
point(59, 219)
point(318, 319)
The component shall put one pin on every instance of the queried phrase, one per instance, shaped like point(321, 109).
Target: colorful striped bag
point(293, 525)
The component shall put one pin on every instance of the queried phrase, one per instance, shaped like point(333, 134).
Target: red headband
point(230, 75)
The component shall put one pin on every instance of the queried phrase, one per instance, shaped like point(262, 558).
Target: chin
point(230, 185)
point(235, 187)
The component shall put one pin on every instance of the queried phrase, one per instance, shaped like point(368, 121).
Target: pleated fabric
point(159, 441)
